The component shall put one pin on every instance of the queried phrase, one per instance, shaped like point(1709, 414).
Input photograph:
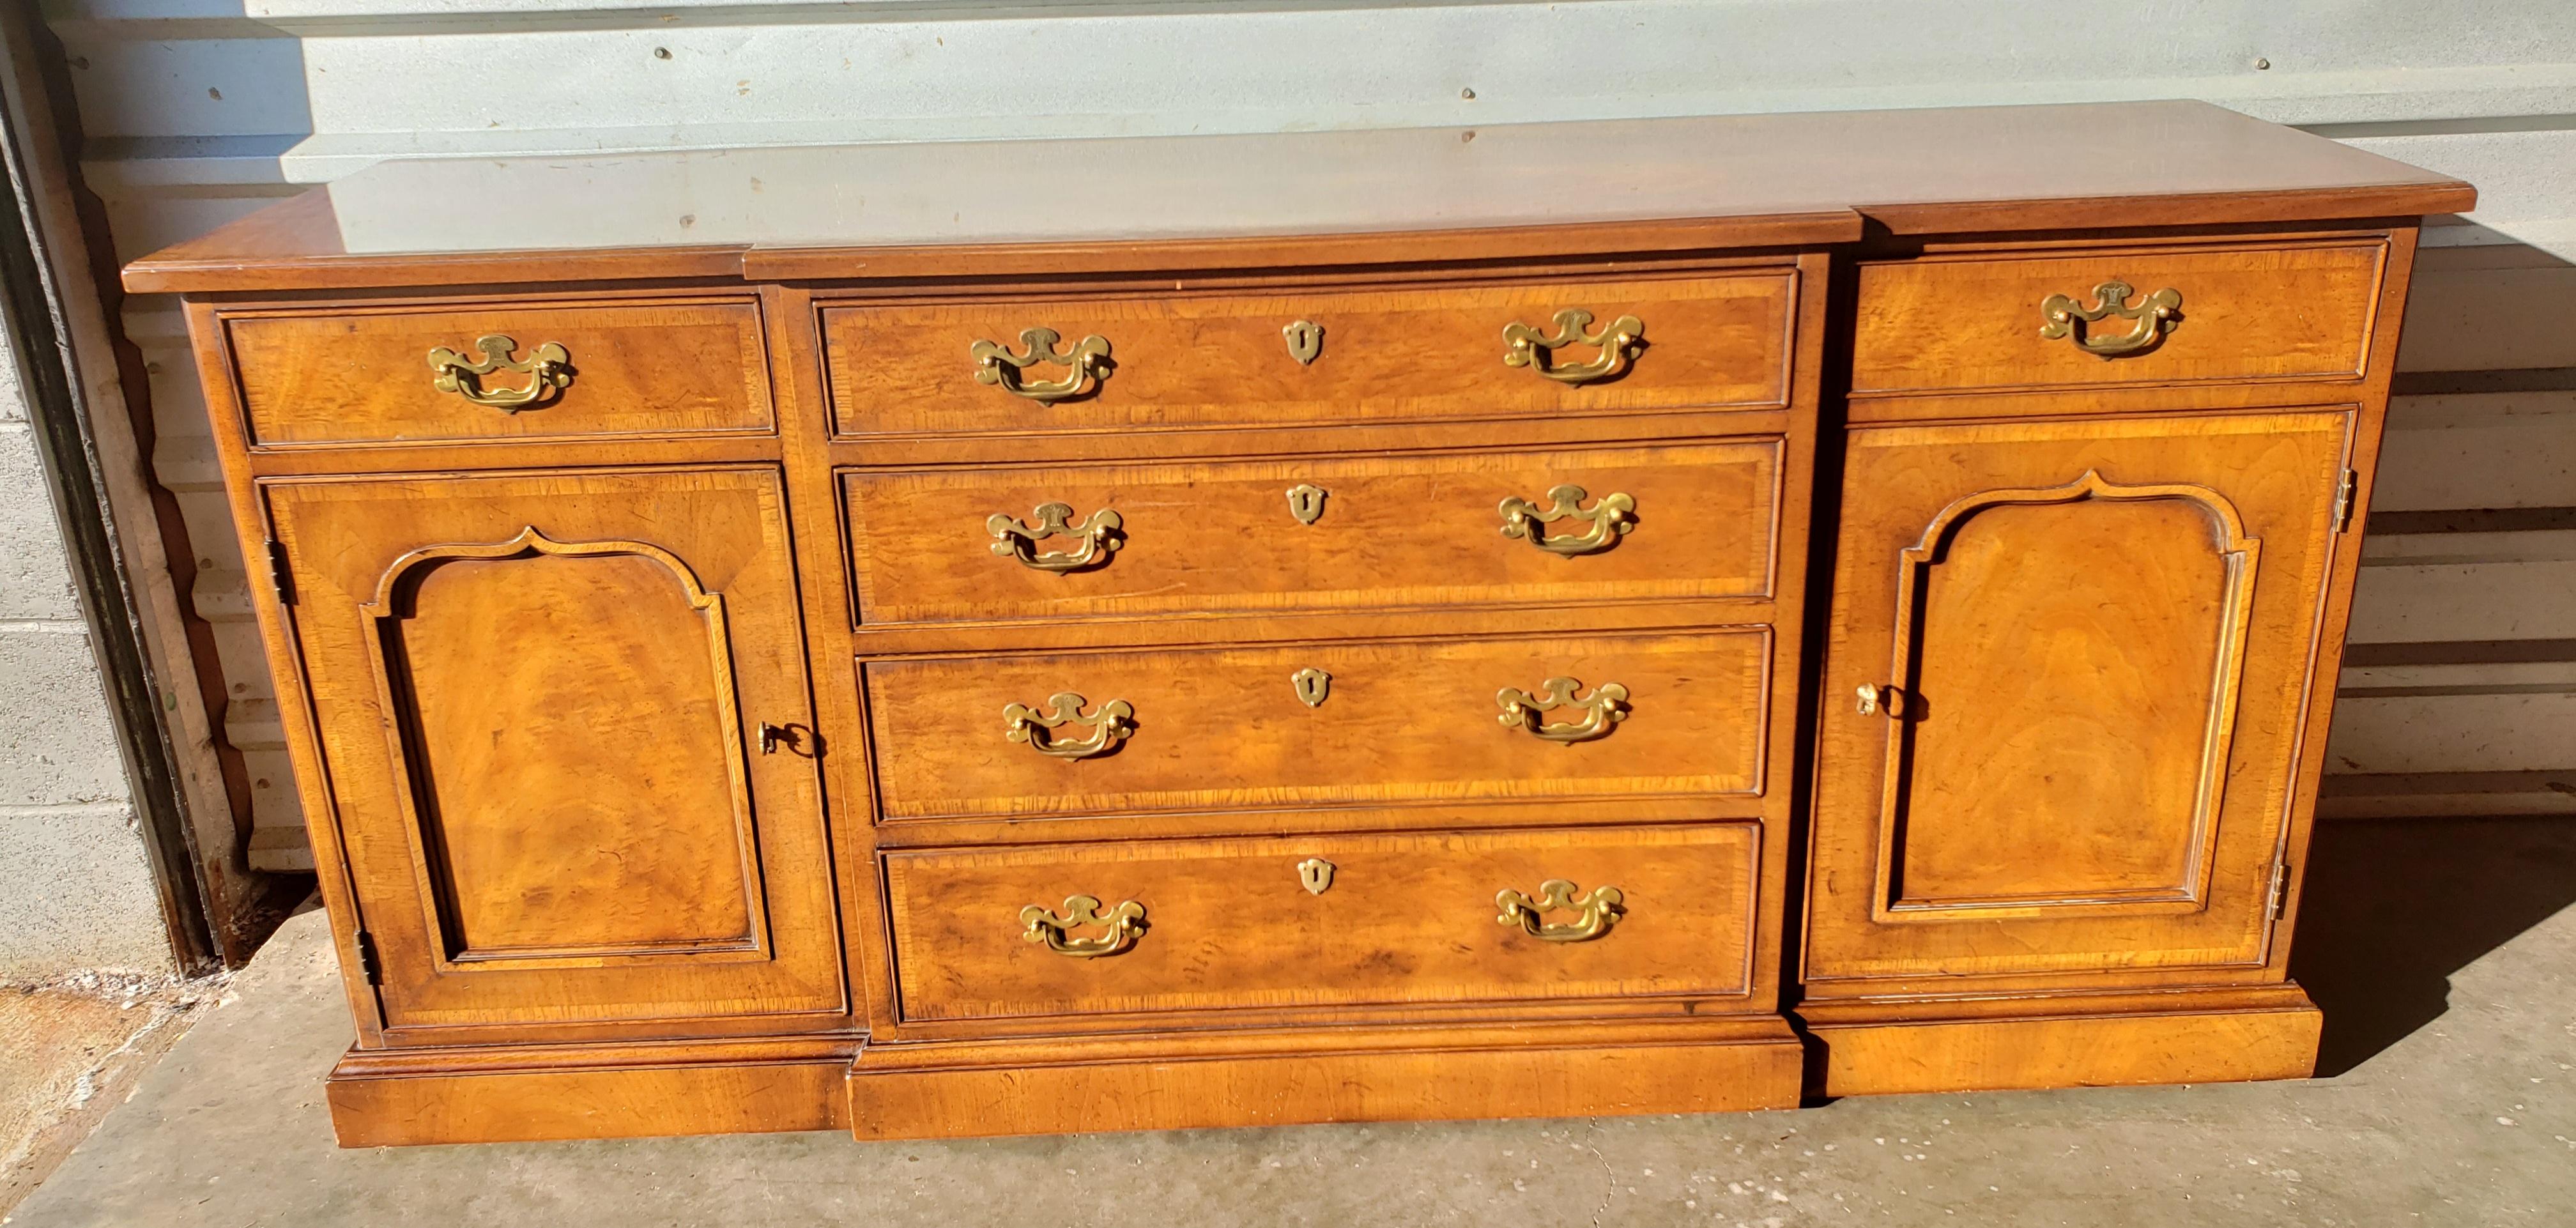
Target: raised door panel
point(2066, 670)
point(540, 700)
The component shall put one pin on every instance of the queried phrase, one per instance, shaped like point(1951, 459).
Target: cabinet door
point(2087, 646)
point(539, 699)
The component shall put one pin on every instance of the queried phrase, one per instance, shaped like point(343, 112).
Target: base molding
point(953, 1089)
point(1168, 1081)
point(1876, 1046)
point(525, 1093)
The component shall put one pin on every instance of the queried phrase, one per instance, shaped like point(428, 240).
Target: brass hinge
point(2280, 891)
point(369, 966)
point(2343, 499)
point(279, 579)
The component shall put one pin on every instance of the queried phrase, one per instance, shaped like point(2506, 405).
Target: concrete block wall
point(76, 890)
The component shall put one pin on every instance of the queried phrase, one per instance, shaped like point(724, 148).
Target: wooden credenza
point(1624, 617)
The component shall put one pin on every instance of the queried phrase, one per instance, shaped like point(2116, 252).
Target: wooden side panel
point(2099, 635)
point(537, 697)
point(1399, 722)
point(2245, 313)
point(1417, 530)
point(1398, 355)
point(355, 375)
point(1399, 918)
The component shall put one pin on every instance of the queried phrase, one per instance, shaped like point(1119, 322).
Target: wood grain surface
point(2069, 761)
point(1223, 361)
point(1393, 531)
point(554, 809)
point(646, 369)
point(1515, 191)
point(1404, 722)
point(1403, 918)
point(2273, 312)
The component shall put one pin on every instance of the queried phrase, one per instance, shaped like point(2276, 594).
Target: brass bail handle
point(1525, 346)
point(1595, 911)
point(1087, 363)
point(2149, 320)
point(1604, 522)
point(1602, 710)
point(548, 368)
point(1107, 727)
point(1098, 532)
point(1123, 923)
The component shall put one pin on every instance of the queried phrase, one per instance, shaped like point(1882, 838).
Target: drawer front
point(2235, 313)
point(1392, 723)
point(1691, 520)
point(1379, 356)
point(1399, 918)
point(627, 370)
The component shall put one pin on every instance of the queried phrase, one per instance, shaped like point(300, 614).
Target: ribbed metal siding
point(199, 110)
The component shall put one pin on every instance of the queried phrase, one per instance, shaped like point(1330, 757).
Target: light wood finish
point(398, 1098)
point(2252, 312)
point(1401, 918)
point(1223, 361)
point(1259, 201)
point(566, 689)
point(1393, 531)
point(2098, 1041)
point(539, 696)
point(1404, 722)
point(1322, 1075)
point(2101, 646)
point(679, 367)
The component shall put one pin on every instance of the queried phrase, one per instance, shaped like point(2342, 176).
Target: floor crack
point(1610, 1178)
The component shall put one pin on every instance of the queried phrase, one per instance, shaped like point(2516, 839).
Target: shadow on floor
point(2392, 907)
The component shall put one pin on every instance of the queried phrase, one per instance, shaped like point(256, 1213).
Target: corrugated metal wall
point(2464, 678)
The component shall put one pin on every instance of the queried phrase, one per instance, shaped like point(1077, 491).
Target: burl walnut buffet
point(1545, 620)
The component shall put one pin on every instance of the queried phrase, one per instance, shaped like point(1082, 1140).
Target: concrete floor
point(70, 1050)
point(2444, 953)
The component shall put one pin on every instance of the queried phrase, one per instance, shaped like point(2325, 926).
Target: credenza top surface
point(1249, 201)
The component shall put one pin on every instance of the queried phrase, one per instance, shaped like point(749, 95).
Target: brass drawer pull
point(1098, 531)
point(1880, 698)
point(1603, 709)
point(1109, 726)
point(548, 368)
point(1599, 906)
point(995, 364)
point(1525, 346)
point(1124, 923)
point(1609, 519)
point(2149, 321)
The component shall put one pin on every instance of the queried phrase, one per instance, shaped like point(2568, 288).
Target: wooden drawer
point(1398, 722)
point(1402, 918)
point(1684, 520)
point(1383, 356)
point(637, 369)
point(2281, 312)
